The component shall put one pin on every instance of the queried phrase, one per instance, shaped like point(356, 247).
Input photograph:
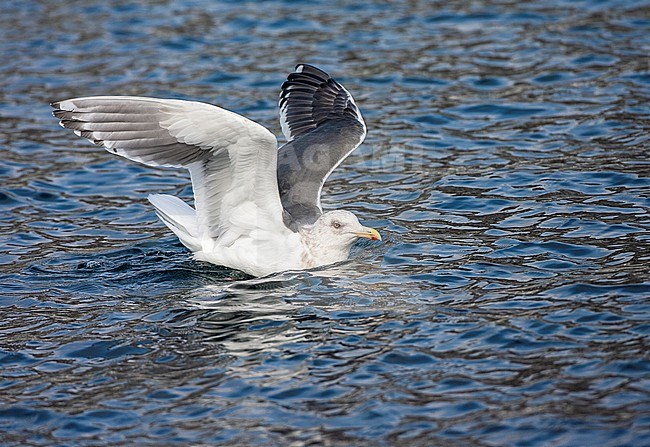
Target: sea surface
point(506, 166)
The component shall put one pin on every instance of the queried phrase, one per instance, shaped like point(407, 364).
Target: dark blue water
point(507, 167)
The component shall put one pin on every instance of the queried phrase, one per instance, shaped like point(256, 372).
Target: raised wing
point(323, 125)
point(231, 159)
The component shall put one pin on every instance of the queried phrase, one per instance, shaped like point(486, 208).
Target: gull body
point(256, 208)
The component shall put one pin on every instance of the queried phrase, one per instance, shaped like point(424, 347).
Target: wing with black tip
point(323, 125)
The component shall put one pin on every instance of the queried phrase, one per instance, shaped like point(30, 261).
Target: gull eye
point(336, 225)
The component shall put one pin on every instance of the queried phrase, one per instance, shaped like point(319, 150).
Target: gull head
point(330, 238)
point(342, 228)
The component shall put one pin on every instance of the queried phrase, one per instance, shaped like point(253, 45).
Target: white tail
point(179, 217)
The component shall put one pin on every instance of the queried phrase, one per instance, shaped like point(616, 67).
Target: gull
point(257, 208)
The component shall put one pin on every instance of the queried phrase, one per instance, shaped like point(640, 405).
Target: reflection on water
point(506, 166)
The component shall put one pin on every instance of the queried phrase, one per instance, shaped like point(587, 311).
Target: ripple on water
point(505, 166)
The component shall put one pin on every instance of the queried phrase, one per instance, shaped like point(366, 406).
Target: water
point(506, 166)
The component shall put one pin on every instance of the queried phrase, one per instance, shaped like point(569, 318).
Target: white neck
point(319, 251)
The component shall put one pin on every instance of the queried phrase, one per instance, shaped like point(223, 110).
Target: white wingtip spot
point(66, 105)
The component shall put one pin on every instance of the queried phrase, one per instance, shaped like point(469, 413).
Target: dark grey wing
point(323, 125)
